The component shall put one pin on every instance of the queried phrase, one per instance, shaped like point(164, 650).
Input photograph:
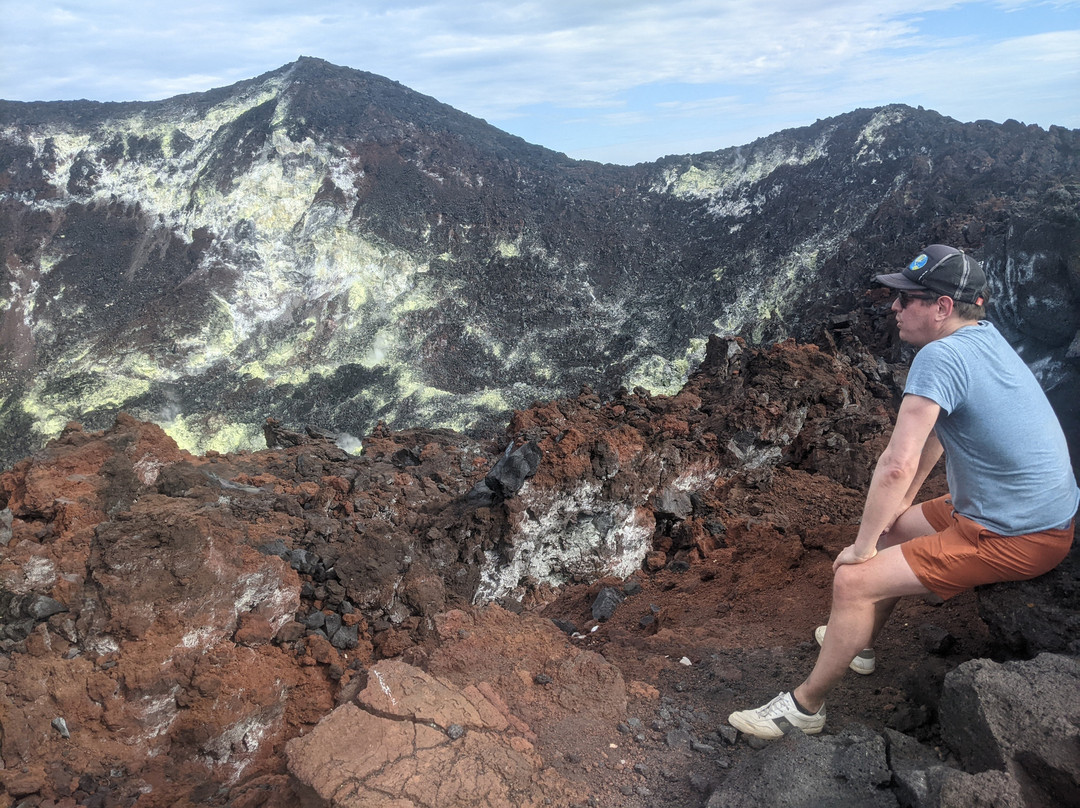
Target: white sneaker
point(777, 718)
point(864, 662)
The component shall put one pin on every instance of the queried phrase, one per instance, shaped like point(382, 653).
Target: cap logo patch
point(919, 262)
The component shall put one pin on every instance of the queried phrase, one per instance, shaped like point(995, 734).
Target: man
point(1012, 493)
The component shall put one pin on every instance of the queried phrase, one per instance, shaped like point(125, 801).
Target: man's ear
point(946, 305)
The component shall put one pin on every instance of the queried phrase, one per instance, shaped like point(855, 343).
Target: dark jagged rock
point(513, 469)
point(1043, 614)
point(35, 606)
point(917, 771)
point(936, 640)
point(607, 601)
point(43, 607)
point(345, 637)
point(277, 436)
point(672, 504)
point(481, 495)
point(565, 626)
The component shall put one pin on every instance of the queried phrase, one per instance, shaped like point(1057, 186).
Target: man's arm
point(900, 471)
point(931, 453)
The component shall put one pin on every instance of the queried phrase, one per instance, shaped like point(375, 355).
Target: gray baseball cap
point(941, 269)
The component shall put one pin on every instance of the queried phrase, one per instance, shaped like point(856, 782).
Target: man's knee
point(848, 582)
point(886, 575)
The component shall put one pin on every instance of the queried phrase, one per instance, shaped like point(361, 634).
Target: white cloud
point(588, 73)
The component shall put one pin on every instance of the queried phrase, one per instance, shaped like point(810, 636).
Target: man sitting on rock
point(1013, 496)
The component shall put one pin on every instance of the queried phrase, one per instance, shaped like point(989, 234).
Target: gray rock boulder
point(918, 774)
point(1018, 718)
point(922, 780)
point(846, 770)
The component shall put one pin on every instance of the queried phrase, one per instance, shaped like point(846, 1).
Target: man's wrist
point(863, 553)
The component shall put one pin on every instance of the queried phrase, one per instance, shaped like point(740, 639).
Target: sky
point(620, 81)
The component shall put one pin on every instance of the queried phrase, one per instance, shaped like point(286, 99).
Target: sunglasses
point(906, 297)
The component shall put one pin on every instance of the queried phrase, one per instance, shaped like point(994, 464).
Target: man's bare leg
point(909, 525)
point(858, 589)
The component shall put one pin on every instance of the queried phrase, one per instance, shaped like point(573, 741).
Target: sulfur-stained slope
point(327, 246)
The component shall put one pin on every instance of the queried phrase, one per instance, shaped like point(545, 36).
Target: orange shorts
point(963, 554)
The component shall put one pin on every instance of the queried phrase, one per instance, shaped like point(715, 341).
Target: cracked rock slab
point(391, 748)
point(400, 691)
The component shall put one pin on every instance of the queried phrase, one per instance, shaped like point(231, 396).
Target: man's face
point(916, 317)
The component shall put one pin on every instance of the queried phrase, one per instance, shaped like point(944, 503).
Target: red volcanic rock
point(190, 618)
point(253, 629)
point(144, 665)
point(472, 730)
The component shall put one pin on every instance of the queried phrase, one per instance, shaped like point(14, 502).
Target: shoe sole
point(860, 664)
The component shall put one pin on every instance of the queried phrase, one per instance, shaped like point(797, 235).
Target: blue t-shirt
point(1005, 453)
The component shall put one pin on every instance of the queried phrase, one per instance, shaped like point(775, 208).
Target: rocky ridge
point(327, 247)
point(562, 616)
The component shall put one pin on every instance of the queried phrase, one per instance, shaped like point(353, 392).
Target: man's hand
point(849, 555)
